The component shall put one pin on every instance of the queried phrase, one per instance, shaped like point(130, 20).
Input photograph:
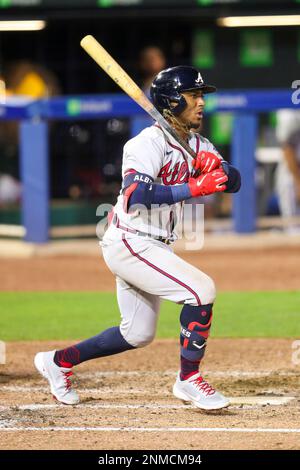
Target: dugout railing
point(34, 146)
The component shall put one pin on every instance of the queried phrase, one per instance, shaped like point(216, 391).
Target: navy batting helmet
point(170, 83)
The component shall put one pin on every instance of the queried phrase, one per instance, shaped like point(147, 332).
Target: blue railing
point(34, 158)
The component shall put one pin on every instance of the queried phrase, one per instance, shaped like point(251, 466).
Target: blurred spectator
point(20, 79)
point(151, 61)
point(288, 170)
point(28, 79)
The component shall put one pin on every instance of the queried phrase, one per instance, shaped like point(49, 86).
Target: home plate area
point(141, 405)
point(127, 400)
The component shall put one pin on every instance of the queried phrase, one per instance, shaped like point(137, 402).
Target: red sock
point(66, 357)
point(188, 368)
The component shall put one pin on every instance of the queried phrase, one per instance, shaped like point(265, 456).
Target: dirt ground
point(127, 401)
point(232, 270)
point(134, 390)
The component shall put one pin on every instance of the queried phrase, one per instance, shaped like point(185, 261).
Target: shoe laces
point(68, 383)
point(203, 386)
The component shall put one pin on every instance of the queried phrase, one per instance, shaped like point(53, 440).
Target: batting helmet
point(170, 83)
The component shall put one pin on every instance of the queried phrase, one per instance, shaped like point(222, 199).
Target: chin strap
point(175, 122)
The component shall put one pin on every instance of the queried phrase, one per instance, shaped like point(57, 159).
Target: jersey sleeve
point(143, 154)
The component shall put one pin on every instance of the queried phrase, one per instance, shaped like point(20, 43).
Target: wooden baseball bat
point(113, 69)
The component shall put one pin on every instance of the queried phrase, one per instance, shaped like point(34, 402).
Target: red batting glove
point(208, 183)
point(205, 162)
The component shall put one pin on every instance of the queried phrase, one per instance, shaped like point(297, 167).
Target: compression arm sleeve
point(234, 178)
point(148, 194)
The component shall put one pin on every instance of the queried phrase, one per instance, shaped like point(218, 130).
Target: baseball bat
point(115, 71)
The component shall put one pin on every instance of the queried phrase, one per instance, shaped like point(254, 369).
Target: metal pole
point(35, 180)
point(243, 157)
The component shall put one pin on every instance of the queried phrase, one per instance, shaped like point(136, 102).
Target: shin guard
point(195, 325)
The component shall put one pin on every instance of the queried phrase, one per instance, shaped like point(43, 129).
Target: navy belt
point(116, 222)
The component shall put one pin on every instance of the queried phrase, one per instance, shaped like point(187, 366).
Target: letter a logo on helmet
point(199, 79)
point(168, 85)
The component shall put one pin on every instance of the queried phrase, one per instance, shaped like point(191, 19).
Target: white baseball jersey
point(165, 162)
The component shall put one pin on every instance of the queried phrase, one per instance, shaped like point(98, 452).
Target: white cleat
point(58, 378)
point(197, 391)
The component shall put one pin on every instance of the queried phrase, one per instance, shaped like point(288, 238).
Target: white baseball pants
point(147, 271)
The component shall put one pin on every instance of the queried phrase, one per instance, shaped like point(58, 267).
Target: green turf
point(71, 315)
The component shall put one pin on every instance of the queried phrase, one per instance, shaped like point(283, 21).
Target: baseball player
point(158, 176)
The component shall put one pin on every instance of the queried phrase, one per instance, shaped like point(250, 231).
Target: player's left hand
point(205, 162)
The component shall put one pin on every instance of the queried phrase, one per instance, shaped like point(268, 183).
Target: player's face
point(193, 114)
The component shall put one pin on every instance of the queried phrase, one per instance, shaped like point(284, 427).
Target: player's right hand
point(208, 183)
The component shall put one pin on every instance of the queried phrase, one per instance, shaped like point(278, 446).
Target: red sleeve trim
point(127, 193)
point(129, 172)
point(110, 217)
